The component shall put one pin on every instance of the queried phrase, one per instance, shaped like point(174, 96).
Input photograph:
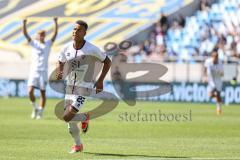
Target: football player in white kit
point(81, 55)
point(39, 67)
point(214, 73)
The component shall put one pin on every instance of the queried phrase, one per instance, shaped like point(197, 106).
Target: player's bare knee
point(69, 114)
point(43, 96)
point(43, 93)
point(30, 91)
point(66, 118)
point(219, 99)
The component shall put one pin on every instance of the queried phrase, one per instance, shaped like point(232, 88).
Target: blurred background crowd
point(193, 38)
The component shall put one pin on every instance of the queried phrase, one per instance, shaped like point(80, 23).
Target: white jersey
point(82, 63)
point(40, 55)
point(214, 73)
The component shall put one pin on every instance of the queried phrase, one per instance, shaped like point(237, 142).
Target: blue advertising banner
point(180, 92)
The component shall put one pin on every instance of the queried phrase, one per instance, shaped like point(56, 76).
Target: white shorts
point(76, 101)
point(211, 88)
point(38, 80)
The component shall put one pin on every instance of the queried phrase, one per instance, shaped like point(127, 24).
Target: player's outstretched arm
point(56, 29)
point(106, 66)
point(25, 30)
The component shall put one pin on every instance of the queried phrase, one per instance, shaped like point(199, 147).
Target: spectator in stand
point(164, 23)
point(204, 5)
point(181, 21)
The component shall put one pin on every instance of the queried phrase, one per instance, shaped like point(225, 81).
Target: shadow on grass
point(133, 155)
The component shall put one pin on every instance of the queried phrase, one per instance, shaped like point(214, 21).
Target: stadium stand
point(109, 21)
point(193, 38)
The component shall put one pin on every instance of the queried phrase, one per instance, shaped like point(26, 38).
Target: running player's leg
point(218, 103)
point(42, 86)
point(72, 106)
point(75, 133)
point(42, 104)
point(42, 98)
point(32, 100)
point(31, 94)
point(214, 94)
point(33, 82)
point(218, 98)
point(210, 90)
point(70, 112)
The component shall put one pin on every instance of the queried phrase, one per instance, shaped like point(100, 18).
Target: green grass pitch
point(110, 137)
